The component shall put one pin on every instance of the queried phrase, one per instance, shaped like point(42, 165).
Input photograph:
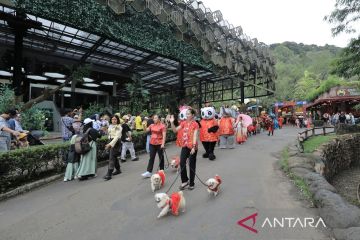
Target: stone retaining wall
point(317, 169)
point(341, 153)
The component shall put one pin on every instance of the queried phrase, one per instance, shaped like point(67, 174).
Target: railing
point(305, 134)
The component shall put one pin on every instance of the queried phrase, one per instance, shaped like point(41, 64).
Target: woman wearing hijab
point(87, 167)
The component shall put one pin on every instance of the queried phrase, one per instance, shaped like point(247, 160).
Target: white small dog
point(214, 185)
point(157, 180)
point(175, 164)
point(172, 204)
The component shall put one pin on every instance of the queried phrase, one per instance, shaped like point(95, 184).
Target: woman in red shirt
point(189, 147)
point(157, 143)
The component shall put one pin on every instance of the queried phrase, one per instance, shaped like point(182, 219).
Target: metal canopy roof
point(111, 61)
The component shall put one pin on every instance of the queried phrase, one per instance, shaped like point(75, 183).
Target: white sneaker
point(146, 174)
point(65, 180)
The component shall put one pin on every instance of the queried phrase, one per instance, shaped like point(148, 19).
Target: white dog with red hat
point(157, 180)
point(214, 185)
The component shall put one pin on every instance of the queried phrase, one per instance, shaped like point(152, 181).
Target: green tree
point(345, 16)
point(348, 64)
point(305, 84)
point(293, 60)
point(138, 94)
point(7, 98)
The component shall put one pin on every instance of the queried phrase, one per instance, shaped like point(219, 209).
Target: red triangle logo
point(242, 223)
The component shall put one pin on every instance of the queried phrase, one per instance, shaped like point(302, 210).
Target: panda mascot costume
point(182, 118)
point(208, 132)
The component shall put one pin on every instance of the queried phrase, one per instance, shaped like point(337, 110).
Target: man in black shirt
point(126, 141)
point(342, 118)
point(148, 134)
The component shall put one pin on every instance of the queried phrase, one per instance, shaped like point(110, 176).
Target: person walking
point(87, 167)
point(148, 134)
point(114, 134)
point(189, 148)
point(72, 161)
point(226, 130)
point(241, 130)
point(157, 144)
point(126, 140)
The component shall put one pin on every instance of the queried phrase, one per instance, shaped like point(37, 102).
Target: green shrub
point(28, 164)
point(92, 109)
point(7, 98)
point(25, 165)
point(33, 119)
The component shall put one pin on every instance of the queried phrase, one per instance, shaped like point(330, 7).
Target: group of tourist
point(12, 135)
point(83, 166)
point(227, 128)
point(338, 117)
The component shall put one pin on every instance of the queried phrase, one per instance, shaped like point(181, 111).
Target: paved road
point(124, 208)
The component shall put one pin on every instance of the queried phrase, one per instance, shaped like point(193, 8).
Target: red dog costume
point(174, 203)
point(217, 178)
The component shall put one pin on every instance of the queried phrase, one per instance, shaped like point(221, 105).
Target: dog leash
point(177, 176)
point(167, 161)
point(202, 182)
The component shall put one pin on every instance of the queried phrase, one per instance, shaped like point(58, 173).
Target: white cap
point(88, 120)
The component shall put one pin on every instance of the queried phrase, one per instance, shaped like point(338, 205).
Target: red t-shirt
point(157, 133)
point(188, 129)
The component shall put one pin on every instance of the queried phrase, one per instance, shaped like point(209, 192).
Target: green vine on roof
point(326, 85)
point(133, 28)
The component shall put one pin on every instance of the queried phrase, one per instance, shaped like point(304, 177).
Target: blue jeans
point(148, 143)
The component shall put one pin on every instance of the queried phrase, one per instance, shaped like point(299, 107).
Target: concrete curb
point(30, 186)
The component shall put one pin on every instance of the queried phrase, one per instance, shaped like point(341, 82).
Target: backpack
point(82, 145)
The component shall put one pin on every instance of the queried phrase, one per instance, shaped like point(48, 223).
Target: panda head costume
point(207, 113)
point(182, 114)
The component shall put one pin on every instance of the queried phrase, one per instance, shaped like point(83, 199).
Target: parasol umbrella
point(247, 120)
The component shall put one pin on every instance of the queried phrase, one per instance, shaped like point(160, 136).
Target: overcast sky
point(276, 21)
